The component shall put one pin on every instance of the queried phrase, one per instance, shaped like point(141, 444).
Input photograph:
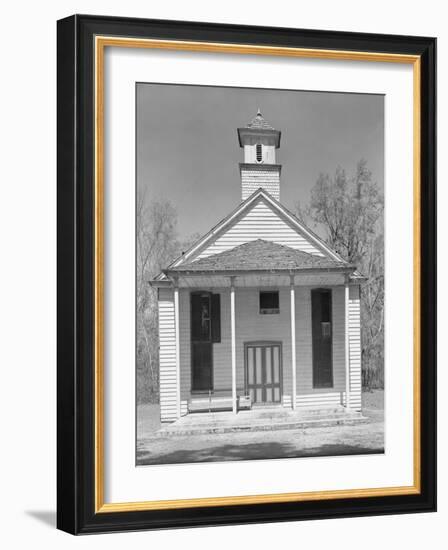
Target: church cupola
point(259, 141)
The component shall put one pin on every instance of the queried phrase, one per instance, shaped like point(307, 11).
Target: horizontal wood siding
point(253, 326)
point(307, 396)
point(167, 355)
point(319, 400)
point(222, 373)
point(222, 364)
point(354, 325)
point(250, 326)
point(261, 222)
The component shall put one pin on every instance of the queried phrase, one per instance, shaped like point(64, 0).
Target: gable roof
point(245, 206)
point(261, 255)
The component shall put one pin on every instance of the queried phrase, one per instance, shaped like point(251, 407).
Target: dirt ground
point(373, 400)
point(330, 441)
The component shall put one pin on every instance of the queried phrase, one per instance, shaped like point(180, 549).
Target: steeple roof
point(259, 123)
point(258, 127)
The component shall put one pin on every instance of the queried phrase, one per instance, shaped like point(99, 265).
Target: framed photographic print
point(246, 274)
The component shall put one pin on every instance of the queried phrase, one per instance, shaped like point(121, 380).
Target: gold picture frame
point(101, 512)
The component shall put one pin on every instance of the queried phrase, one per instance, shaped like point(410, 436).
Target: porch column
point(293, 342)
point(347, 345)
point(232, 323)
point(176, 322)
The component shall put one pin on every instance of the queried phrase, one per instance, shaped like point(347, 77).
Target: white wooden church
point(259, 312)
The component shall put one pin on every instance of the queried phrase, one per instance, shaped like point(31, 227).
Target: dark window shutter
point(216, 317)
point(322, 338)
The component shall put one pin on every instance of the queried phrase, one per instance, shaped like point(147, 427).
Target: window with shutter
point(216, 317)
point(321, 305)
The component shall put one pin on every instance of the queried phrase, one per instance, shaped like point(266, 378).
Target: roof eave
point(236, 272)
point(157, 283)
point(359, 279)
point(260, 131)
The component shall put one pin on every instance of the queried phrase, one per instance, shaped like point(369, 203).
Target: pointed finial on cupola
point(259, 123)
point(259, 169)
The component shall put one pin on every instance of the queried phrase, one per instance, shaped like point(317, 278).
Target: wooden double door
point(263, 372)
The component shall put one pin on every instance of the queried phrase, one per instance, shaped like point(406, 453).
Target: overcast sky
point(188, 152)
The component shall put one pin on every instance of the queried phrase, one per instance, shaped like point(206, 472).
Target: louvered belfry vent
point(259, 141)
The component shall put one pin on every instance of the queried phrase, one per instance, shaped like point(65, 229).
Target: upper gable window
point(259, 152)
point(269, 302)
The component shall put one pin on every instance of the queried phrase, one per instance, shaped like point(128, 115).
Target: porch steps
point(260, 420)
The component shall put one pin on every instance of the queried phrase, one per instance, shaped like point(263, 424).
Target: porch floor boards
point(268, 419)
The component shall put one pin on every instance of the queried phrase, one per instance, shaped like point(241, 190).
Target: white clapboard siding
point(252, 326)
point(319, 400)
point(222, 351)
point(286, 401)
point(354, 326)
point(167, 355)
point(260, 222)
point(306, 394)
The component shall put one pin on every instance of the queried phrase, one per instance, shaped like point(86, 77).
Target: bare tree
point(156, 246)
point(349, 213)
point(372, 315)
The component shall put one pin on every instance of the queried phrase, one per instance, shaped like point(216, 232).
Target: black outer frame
point(75, 309)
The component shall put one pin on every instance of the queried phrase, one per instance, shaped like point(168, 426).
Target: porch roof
point(261, 256)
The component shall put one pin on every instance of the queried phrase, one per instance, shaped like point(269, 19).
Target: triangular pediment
point(260, 216)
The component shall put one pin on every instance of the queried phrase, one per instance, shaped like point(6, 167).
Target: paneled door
point(264, 372)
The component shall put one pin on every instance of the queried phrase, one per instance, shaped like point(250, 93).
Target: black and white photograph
point(259, 274)
point(220, 273)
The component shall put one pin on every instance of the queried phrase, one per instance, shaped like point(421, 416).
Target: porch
point(261, 419)
point(261, 323)
point(364, 436)
point(262, 359)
